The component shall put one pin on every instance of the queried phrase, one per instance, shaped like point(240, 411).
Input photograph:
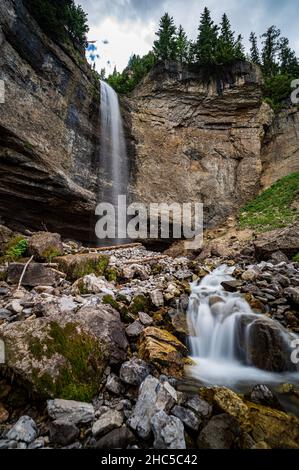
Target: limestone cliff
point(49, 129)
point(280, 151)
point(199, 138)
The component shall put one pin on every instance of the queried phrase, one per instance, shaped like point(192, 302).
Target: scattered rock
point(45, 246)
point(199, 406)
point(168, 431)
point(231, 286)
point(119, 438)
point(188, 417)
point(24, 430)
point(220, 433)
point(80, 265)
point(63, 432)
point(71, 411)
point(4, 414)
point(285, 240)
point(110, 420)
point(261, 394)
point(157, 298)
point(114, 385)
point(292, 293)
point(135, 329)
point(134, 372)
point(165, 351)
point(35, 275)
point(145, 319)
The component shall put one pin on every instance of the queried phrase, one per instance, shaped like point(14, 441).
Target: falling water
point(114, 160)
point(222, 326)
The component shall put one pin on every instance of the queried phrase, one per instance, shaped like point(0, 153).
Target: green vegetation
point(85, 358)
point(216, 46)
point(296, 258)
point(81, 265)
point(15, 249)
point(272, 208)
point(62, 20)
point(50, 254)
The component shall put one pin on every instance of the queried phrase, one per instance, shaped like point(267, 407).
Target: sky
point(125, 27)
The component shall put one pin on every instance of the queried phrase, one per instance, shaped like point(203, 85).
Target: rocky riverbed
point(96, 346)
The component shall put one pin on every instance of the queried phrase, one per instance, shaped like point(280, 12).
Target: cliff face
point(280, 151)
point(198, 140)
point(49, 129)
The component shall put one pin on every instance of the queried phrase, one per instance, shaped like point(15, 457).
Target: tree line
point(215, 46)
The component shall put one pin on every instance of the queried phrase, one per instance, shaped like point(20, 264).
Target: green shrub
point(16, 248)
point(272, 208)
point(277, 91)
point(296, 258)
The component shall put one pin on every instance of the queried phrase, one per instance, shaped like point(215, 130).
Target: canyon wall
point(49, 129)
point(199, 138)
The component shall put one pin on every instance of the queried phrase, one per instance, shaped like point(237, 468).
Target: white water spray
point(222, 326)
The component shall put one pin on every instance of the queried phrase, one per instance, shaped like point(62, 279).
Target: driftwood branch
point(24, 271)
point(145, 260)
point(118, 247)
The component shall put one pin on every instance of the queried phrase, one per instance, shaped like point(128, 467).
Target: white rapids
point(221, 327)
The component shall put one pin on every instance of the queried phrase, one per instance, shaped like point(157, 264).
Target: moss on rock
point(77, 266)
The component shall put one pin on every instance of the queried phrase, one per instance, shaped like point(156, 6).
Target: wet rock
point(134, 372)
point(220, 433)
point(63, 432)
point(24, 430)
point(135, 329)
point(70, 411)
point(45, 246)
point(106, 325)
point(119, 438)
point(231, 286)
point(80, 265)
point(188, 417)
point(114, 385)
point(35, 275)
point(168, 431)
point(164, 350)
point(110, 420)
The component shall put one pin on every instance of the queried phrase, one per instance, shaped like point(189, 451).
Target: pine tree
point(270, 51)
point(182, 45)
point(226, 42)
point(191, 52)
point(165, 46)
point(288, 60)
point(254, 51)
point(239, 48)
point(206, 47)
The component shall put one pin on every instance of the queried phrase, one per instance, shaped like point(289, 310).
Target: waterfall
point(113, 158)
point(223, 333)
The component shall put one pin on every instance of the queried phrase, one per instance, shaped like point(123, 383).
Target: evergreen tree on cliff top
point(271, 46)
point(288, 60)
point(207, 41)
point(165, 45)
point(226, 42)
point(254, 51)
point(182, 45)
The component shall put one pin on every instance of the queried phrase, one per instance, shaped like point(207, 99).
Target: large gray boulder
point(168, 431)
point(70, 411)
point(285, 240)
point(219, 433)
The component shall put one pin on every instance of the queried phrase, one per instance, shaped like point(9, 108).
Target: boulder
point(114, 385)
point(56, 357)
point(119, 438)
point(200, 407)
point(45, 246)
point(24, 430)
point(188, 417)
point(145, 319)
point(5, 235)
point(91, 284)
point(106, 325)
point(79, 265)
point(134, 372)
point(109, 420)
point(135, 329)
point(168, 431)
point(63, 432)
point(292, 293)
point(153, 397)
point(162, 349)
point(267, 347)
point(70, 411)
point(35, 275)
point(220, 433)
point(285, 240)
point(231, 286)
